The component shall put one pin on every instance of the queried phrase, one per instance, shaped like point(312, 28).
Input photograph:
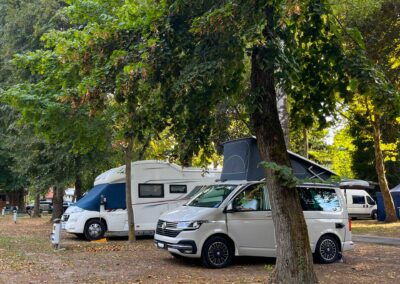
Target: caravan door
point(250, 224)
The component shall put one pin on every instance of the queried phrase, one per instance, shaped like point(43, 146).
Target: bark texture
point(380, 170)
point(58, 194)
point(36, 208)
point(78, 188)
point(128, 193)
point(305, 142)
point(294, 262)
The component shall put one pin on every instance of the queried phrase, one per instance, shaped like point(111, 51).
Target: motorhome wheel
point(327, 250)
point(94, 230)
point(217, 252)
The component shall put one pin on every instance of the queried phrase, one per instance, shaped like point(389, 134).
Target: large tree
point(372, 32)
point(285, 45)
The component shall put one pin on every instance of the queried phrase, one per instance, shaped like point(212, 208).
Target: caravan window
point(178, 188)
point(151, 190)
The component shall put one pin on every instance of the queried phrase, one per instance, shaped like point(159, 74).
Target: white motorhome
point(359, 203)
point(156, 187)
point(234, 218)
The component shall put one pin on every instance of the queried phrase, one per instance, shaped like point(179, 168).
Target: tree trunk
point(380, 170)
point(78, 180)
point(128, 192)
point(36, 208)
point(305, 143)
point(58, 194)
point(20, 199)
point(78, 188)
point(284, 114)
point(294, 263)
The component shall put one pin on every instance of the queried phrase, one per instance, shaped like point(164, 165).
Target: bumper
point(186, 247)
point(348, 245)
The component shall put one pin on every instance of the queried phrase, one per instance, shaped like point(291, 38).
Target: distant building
point(12, 198)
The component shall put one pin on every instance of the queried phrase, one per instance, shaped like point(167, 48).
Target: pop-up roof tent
point(242, 158)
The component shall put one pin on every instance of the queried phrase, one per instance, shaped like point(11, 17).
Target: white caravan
point(359, 203)
point(156, 187)
point(234, 218)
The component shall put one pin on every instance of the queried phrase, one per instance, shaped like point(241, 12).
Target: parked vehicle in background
point(234, 218)
point(45, 206)
point(360, 204)
point(156, 187)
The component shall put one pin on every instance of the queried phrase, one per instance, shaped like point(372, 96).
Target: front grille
point(169, 229)
point(64, 218)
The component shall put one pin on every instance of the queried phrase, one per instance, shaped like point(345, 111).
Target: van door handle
point(339, 225)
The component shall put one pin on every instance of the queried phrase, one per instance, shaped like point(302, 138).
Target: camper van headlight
point(190, 225)
point(73, 209)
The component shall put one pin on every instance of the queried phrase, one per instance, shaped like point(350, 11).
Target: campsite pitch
point(26, 256)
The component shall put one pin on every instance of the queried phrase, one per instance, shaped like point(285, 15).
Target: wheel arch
point(222, 235)
point(333, 235)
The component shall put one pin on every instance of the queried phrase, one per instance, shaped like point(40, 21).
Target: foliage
point(342, 154)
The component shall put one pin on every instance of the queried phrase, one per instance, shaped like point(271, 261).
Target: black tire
point(327, 249)
point(374, 215)
point(94, 230)
point(217, 252)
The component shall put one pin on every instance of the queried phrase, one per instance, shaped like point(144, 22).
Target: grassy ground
point(26, 256)
point(375, 228)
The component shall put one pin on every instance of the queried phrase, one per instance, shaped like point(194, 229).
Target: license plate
point(160, 245)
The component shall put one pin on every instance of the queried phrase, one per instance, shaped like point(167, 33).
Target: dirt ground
point(26, 256)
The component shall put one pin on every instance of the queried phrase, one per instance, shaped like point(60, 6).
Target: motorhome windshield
point(212, 196)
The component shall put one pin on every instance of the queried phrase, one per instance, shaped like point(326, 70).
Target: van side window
point(358, 199)
point(178, 188)
point(318, 199)
point(151, 190)
point(370, 201)
point(253, 198)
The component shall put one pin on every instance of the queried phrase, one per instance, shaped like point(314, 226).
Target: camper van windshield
point(212, 196)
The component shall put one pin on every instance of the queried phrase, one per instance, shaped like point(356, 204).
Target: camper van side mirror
point(229, 208)
point(103, 199)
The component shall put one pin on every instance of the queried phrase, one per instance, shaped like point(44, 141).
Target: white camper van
point(234, 218)
point(156, 187)
point(359, 203)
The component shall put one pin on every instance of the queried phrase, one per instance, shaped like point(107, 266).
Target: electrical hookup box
point(55, 236)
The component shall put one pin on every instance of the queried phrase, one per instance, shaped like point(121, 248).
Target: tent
point(381, 207)
point(396, 188)
point(242, 159)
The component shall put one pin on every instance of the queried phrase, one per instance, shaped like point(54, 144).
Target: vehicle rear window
point(318, 199)
point(151, 190)
point(358, 199)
